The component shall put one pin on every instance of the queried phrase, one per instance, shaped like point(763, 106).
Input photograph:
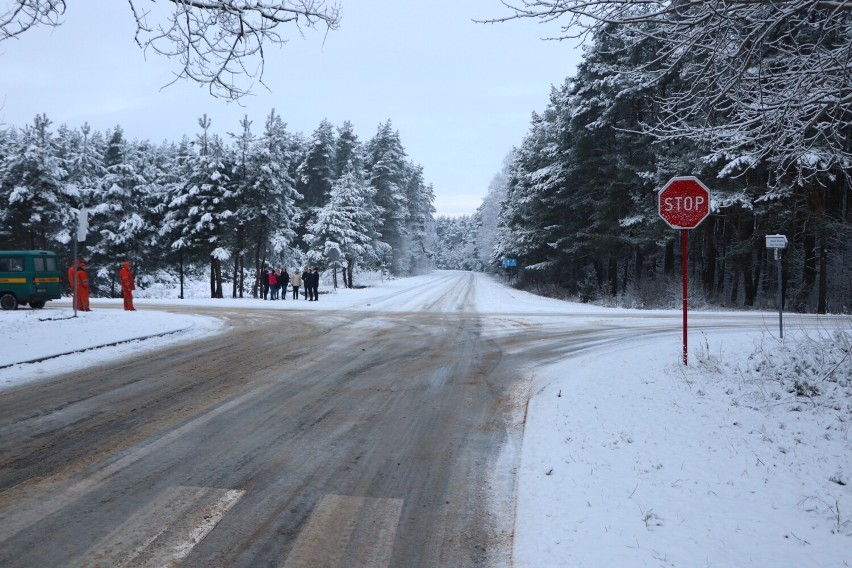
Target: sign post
point(778, 243)
point(82, 232)
point(683, 203)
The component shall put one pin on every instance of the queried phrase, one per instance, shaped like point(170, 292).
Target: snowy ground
point(629, 459)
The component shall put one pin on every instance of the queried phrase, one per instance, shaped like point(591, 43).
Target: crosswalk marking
point(165, 531)
point(347, 531)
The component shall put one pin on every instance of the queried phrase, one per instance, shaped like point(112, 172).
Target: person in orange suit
point(78, 273)
point(127, 285)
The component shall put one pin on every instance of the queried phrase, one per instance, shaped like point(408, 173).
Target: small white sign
point(776, 241)
point(82, 224)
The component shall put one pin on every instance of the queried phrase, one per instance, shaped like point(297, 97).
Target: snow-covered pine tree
point(348, 222)
point(35, 210)
point(270, 211)
point(489, 212)
point(387, 167)
point(316, 172)
point(199, 212)
point(242, 184)
point(348, 150)
point(419, 237)
point(117, 215)
point(81, 151)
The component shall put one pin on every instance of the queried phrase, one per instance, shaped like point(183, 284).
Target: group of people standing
point(275, 283)
point(78, 279)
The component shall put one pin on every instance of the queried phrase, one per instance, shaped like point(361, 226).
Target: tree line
point(269, 197)
point(753, 98)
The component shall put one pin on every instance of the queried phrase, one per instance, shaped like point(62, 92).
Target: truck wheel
point(37, 305)
point(8, 302)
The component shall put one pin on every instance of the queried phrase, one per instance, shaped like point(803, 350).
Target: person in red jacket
point(127, 285)
point(81, 298)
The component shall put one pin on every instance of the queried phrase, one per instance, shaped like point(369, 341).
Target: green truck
point(28, 277)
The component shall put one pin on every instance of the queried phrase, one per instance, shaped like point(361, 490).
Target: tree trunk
point(735, 284)
point(180, 261)
point(255, 289)
point(749, 287)
point(242, 275)
point(723, 264)
point(669, 258)
point(613, 276)
point(809, 269)
point(216, 278)
point(710, 255)
point(350, 264)
point(640, 261)
point(823, 274)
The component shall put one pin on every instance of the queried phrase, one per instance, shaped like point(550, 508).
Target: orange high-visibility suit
point(81, 299)
point(127, 285)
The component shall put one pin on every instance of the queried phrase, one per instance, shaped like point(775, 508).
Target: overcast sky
point(460, 93)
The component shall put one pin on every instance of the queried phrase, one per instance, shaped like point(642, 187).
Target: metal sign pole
point(74, 284)
point(683, 203)
point(684, 245)
point(780, 296)
point(778, 243)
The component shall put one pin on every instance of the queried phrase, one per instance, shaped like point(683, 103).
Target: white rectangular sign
point(82, 224)
point(776, 241)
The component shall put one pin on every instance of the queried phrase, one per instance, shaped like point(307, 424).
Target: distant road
point(372, 437)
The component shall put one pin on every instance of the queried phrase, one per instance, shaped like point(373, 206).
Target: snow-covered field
point(744, 458)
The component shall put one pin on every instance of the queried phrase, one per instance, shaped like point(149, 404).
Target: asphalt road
point(363, 439)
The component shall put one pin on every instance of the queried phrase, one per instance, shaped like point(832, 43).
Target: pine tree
point(199, 212)
point(35, 205)
point(420, 226)
point(347, 223)
point(123, 232)
point(387, 167)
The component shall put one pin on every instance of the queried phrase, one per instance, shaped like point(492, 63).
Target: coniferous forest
point(753, 98)
point(205, 205)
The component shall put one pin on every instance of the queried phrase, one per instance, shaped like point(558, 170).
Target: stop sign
point(684, 202)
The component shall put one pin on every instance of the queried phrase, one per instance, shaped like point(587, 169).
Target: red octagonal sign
point(684, 202)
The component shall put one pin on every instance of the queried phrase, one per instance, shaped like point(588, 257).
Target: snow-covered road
point(622, 457)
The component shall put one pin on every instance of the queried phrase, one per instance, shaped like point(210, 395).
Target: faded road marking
point(347, 531)
point(165, 531)
point(47, 496)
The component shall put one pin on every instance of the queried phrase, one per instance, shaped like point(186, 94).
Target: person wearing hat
point(81, 290)
point(296, 281)
point(125, 276)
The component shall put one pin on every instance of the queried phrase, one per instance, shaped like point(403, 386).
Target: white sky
point(460, 94)
point(626, 459)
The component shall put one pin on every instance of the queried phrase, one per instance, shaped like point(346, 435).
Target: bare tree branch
point(218, 43)
point(760, 80)
point(23, 15)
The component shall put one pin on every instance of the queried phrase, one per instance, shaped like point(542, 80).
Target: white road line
point(345, 531)
point(165, 531)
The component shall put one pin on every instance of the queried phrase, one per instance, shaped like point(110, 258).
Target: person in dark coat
point(264, 282)
point(306, 280)
point(283, 282)
point(315, 284)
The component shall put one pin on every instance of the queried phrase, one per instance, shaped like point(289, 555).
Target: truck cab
point(29, 277)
